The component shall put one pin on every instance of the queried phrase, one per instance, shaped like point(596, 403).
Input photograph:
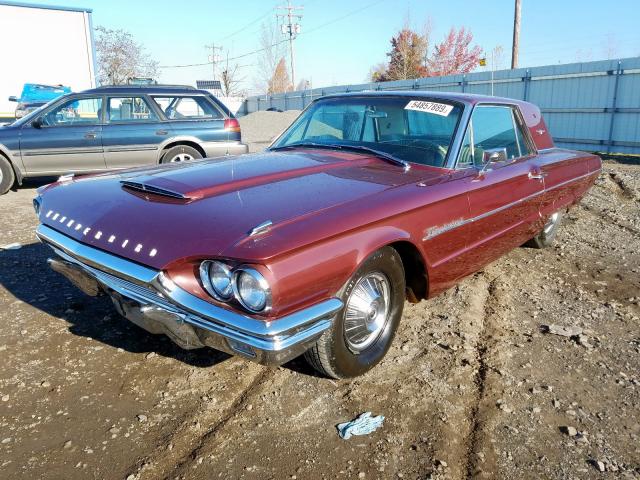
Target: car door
point(503, 182)
point(133, 133)
point(66, 138)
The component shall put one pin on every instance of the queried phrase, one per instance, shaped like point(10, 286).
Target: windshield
point(30, 116)
point(413, 130)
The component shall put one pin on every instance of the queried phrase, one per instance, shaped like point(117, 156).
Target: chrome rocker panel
point(152, 301)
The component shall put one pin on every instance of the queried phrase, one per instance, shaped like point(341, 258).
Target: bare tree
point(231, 80)
point(303, 84)
point(610, 46)
point(273, 49)
point(120, 57)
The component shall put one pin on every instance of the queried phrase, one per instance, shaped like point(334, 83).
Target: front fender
point(319, 271)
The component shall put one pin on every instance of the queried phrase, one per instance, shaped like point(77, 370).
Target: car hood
point(158, 216)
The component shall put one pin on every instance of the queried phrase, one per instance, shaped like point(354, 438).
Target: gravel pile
point(260, 128)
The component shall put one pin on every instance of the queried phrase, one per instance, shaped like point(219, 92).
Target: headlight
point(216, 279)
point(251, 289)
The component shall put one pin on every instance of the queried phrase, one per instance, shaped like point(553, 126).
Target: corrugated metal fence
point(591, 106)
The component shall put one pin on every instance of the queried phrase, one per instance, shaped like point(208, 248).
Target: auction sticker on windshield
point(431, 107)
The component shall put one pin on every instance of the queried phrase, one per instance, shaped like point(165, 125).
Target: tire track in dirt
point(480, 456)
point(182, 444)
point(236, 408)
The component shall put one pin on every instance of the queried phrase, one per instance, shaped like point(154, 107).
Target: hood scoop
point(146, 188)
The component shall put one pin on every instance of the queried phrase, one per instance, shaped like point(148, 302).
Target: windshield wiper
point(357, 148)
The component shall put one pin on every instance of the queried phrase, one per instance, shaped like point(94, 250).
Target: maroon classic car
point(312, 246)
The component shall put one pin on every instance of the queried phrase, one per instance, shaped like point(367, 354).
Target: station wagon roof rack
point(154, 85)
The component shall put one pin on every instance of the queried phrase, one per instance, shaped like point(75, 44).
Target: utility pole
point(291, 28)
point(516, 36)
point(213, 58)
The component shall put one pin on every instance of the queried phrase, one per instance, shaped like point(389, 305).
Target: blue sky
point(338, 46)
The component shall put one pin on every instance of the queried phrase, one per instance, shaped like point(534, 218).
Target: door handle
point(90, 135)
point(161, 132)
point(536, 175)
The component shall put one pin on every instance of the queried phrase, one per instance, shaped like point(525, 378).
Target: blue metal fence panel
point(591, 106)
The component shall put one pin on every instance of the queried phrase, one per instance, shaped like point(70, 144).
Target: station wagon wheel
point(362, 332)
point(548, 233)
point(180, 153)
point(7, 177)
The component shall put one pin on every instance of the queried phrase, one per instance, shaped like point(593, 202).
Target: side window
point(492, 127)
point(129, 109)
point(85, 111)
point(188, 108)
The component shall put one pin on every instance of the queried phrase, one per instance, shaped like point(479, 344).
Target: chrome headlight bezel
point(207, 283)
point(262, 282)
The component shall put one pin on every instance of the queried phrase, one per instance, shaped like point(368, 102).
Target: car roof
point(145, 89)
point(467, 98)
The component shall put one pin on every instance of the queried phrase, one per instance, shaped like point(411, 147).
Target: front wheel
point(548, 233)
point(363, 331)
point(180, 153)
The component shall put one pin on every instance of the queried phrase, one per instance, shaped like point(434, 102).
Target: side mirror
point(37, 123)
point(491, 156)
point(13, 98)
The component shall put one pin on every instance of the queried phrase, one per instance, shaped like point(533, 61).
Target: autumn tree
point(280, 81)
point(410, 55)
point(120, 57)
point(408, 50)
point(454, 55)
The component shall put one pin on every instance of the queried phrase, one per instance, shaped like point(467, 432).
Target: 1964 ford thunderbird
point(312, 246)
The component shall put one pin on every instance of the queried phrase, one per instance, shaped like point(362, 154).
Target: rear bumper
point(218, 149)
point(150, 300)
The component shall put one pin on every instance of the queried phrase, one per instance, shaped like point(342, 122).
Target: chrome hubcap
point(181, 157)
point(367, 311)
point(553, 219)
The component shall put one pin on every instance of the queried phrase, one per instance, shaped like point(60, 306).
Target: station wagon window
point(85, 111)
point(417, 131)
point(130, 109)
point(188, 108)
point(492, 127)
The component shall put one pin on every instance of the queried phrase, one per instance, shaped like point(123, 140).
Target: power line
point(248, 25)
point(335, 20)
point(253, 52)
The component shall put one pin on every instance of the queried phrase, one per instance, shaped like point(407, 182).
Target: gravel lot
point(471, 387)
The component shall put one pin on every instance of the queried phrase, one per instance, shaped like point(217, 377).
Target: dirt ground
point(471, 386)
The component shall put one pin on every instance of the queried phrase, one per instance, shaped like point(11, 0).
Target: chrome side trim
point(434, 231)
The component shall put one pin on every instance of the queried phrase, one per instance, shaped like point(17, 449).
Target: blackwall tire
point(339, 352)
point(7, 176)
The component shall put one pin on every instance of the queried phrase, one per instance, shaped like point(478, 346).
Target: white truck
point(44, 44)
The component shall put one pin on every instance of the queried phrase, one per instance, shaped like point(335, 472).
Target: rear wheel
point(180, 153)
point(7, 177)
point(548, 233)
point(363, 331)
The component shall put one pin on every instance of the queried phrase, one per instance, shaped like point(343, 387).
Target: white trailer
point(44, 44)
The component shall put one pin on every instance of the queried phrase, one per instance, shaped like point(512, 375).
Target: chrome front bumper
point(152, 301)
